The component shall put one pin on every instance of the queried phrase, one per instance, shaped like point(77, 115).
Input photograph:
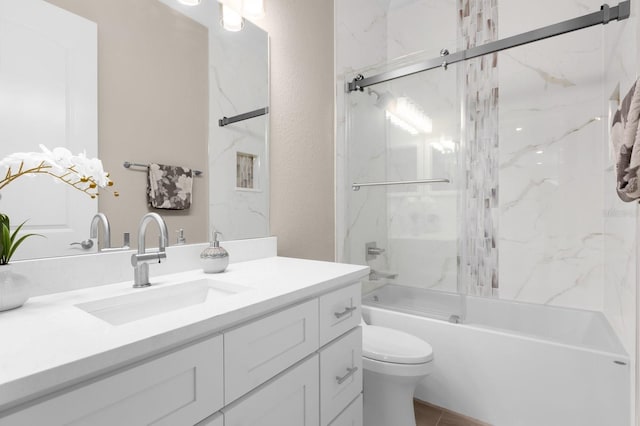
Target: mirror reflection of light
point(253, 9)
point(397, 121)
point(444, 146)
point(518, 129)
point(405, 111)
point(231, 20)
point(540, 152)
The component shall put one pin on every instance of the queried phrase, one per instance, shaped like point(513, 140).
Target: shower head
point(382, 99)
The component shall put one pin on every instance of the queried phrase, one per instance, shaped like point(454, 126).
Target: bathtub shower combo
point(481, 193)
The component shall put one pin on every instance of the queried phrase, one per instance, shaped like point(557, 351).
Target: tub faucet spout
point(140, 261)
point(93, 233)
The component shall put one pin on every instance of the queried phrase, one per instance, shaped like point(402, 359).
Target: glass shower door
point(398, 133)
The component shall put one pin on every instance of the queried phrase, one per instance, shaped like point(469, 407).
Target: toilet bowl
point(393, 362)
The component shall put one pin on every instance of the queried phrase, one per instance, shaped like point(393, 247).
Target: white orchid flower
point(79, 171)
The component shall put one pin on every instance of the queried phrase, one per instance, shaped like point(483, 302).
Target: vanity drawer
point(352, 416)
point(290, 399)
point(179, 388)
point(340, 374)
point(340, 311)
point(257, 351)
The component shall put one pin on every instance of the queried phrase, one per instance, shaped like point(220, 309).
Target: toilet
point(393, 362)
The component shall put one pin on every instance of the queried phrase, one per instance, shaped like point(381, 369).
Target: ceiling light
point(231, 20)
point(190, 2)
point(539, 152)
point(518, 129)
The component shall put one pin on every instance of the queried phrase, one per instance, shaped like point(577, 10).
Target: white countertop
point(49, 343)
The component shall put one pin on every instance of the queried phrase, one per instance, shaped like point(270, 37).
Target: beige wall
point(153, 106)
point(302, 126)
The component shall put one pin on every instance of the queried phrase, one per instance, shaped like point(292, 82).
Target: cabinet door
point(290, 399)
point(180, 388)
point(352, 416)
point(340, 311)
point(340, 374)
point(256, 352)
point(215, 420)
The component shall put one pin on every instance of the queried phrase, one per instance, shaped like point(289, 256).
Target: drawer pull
point(350, 372)
point(346, 311)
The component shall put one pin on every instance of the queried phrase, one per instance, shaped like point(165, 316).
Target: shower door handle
point(346, 311)
point(350, 372)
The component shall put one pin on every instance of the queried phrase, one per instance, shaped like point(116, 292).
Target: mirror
point(140, 81)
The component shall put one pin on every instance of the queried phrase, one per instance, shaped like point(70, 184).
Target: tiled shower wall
point(564, 239)
point(479, 147)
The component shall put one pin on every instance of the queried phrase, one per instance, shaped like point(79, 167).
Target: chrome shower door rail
point(603, 16)
point(225, 121)
point(356, 186)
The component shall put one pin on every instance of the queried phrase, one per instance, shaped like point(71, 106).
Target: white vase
point(14, 288)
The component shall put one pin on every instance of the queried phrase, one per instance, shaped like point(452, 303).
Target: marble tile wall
point(552, 124)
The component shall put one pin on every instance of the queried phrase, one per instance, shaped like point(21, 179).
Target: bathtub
point(509, 363)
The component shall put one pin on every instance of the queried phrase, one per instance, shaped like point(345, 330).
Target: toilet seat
point(393, 346)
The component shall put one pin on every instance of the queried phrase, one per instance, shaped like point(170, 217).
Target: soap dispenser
point(214, 258)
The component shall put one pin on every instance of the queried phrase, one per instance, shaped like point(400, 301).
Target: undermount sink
point(155, 301)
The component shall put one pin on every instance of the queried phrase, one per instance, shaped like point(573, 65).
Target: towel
point(625, 142)
point(169, 187)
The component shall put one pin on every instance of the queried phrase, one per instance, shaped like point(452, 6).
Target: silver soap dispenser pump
point(214, 258)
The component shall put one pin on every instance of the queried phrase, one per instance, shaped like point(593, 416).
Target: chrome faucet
point(140, 261)
point(101, 218)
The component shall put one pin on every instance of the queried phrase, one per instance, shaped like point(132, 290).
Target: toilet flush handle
point(350, 372)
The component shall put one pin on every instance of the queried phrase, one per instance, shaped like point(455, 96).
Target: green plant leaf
point(17, 244)
point(9, 241)
point(6, 245)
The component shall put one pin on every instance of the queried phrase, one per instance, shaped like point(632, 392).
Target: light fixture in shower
point(404, 113)
point(190, 2)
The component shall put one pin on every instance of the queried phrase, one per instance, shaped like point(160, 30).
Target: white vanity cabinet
point(298, 366)
point(289, 400)
point(179, 388)
point(257, 351)
point(340, 374)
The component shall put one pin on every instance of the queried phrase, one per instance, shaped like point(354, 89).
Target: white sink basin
point(144, 303)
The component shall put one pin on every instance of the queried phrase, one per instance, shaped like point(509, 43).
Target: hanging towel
point(625, 142)
point(169, 187)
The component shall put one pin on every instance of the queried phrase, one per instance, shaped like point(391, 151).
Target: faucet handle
point(86, 244)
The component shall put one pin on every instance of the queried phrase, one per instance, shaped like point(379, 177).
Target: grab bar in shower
point(356, 186)
point(603, 16)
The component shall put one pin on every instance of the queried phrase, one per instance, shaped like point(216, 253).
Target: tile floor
point(430, 415)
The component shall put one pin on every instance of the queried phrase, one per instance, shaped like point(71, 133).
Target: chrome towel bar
point(356, 186)
point(128, 164)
